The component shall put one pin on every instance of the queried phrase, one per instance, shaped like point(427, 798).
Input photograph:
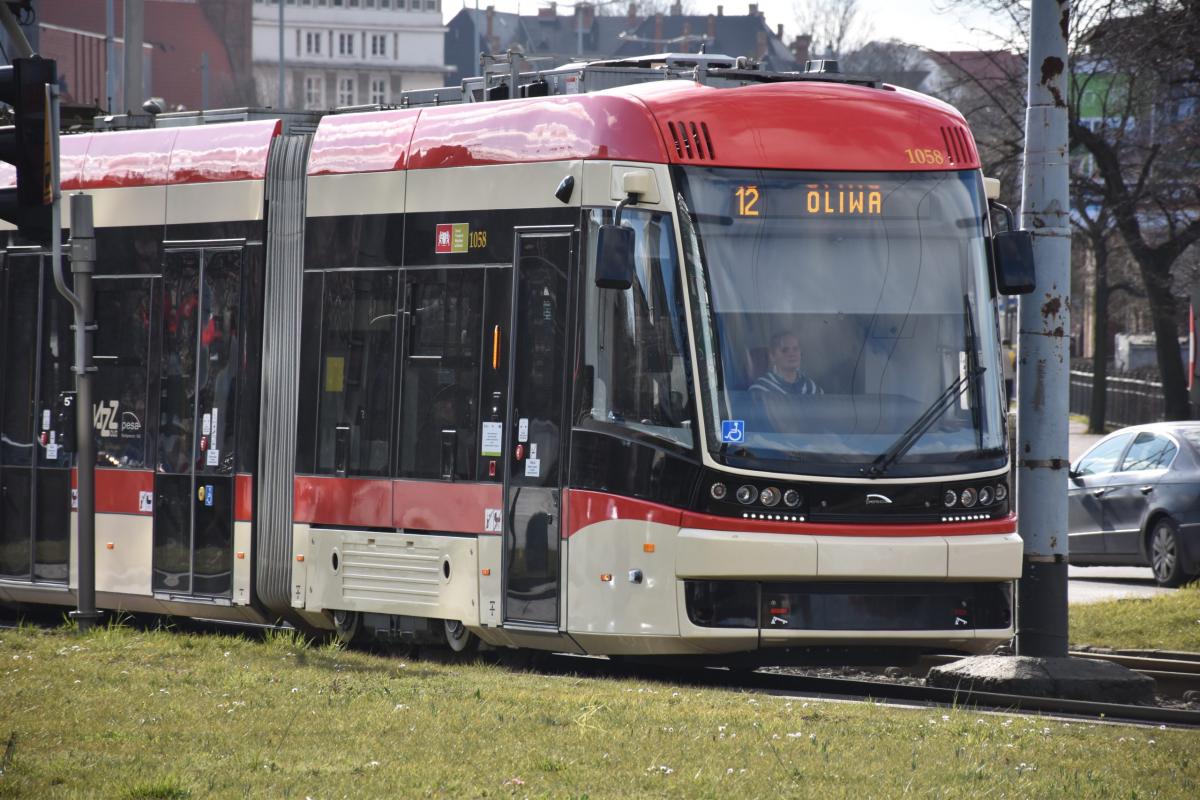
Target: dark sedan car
point(1135, 501)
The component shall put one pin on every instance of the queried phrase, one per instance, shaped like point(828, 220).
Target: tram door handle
point(341, 448)
point(449, 453)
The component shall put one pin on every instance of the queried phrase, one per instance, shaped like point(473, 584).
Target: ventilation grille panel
point(959, 147)
point(691, 140)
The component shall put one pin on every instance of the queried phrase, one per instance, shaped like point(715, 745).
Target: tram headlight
point(747, 494)
point(718, 491)
point(950, 498)
point(968, 498)
point(770, 496)
point(791, 498)
point(985, 495)
point(1001, 491)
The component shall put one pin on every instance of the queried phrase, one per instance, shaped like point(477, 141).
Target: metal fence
point(1130, 401)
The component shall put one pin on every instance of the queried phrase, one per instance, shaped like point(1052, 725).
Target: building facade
point(346, 52)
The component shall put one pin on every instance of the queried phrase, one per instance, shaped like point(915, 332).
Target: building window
point(430, 5)
point(379, 91)
point(345, 44)
point(312, 43)
point(378, 44)
point(346, 90)
point(314, 91)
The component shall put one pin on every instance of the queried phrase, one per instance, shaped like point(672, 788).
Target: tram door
point(535, 463)
point(36, 355)
point(194, 481)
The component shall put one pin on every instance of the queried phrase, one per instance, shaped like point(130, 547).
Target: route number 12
point(747, 200)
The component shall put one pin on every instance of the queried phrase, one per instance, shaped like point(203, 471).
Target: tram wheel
point(459, 639)
point(347, 625)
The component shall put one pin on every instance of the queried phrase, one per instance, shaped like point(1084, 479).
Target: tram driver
point(784, 376)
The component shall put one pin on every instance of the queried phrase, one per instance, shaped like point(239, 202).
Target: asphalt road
point(1095, 584)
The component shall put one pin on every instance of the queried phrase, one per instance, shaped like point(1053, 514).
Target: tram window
point(357, 361)
point(57, 360)
point(19, 326)
point(634, 342)
point(441, 372)
point(121, 355)
point(310, 373)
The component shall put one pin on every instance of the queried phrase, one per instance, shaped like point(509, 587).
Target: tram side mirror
point(1012, 254)
point(614, 257)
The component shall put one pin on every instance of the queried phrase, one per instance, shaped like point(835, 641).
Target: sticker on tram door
point(146, 502)
point(491, 520)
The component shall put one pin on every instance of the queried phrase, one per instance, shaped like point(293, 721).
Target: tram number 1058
point(924, 155)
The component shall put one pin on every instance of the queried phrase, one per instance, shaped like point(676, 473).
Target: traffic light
point(26, 145)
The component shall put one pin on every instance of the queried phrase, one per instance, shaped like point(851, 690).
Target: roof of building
point(746, 35)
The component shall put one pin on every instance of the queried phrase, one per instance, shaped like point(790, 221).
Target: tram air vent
point(958, 145)
point(691, 141)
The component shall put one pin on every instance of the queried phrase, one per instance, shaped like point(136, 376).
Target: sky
point(913, 21)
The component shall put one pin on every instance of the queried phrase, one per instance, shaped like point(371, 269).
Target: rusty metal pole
point(1044, 354)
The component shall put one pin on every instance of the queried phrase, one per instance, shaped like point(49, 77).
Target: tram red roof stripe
point(587, 508)
point(369, 142)
point(235, 151)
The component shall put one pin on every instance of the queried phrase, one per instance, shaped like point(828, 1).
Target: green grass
point(118, 713)
point(1163, 622)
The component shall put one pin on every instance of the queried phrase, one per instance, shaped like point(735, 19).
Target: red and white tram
point(383, 379)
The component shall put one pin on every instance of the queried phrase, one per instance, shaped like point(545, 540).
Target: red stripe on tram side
point(448, 507)
point(119, 491)
point(587, 508)
point(1006, 524)
point(364, 502)
point(243, 503)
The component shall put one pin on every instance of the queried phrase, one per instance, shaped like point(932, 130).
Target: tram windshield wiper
point(922, 423)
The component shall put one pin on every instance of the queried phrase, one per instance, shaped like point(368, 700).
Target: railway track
point(788, 683)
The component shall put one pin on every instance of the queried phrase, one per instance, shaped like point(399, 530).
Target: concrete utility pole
point(80, 296)
point(1044, 355)
point(133, 55)
point(110, 56)
point(282, 76)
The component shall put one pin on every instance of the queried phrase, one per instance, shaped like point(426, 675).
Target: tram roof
point(782, 125)
point(802, 125)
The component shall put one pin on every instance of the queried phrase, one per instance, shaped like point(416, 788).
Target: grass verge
point(126, 714)
point(1163, 622)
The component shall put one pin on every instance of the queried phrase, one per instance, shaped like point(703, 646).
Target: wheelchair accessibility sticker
point(733, 431)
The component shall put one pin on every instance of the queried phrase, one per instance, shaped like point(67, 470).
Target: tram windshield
point(844, 322)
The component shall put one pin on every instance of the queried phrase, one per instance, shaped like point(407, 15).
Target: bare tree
point(1134, 95)
point(837, 27)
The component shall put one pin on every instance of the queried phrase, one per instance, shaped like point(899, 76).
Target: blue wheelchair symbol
point(733, 431)
point(208, 495)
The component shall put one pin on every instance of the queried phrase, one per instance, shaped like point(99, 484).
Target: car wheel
point(1164, 553)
